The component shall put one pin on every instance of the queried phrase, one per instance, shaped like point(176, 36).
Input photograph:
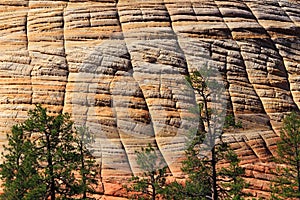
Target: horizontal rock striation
point(119, 68)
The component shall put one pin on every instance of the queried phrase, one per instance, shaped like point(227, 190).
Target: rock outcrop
point(119, 67)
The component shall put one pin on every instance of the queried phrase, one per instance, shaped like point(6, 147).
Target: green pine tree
point(287, 185)
point(152, 184)
point(88, 167)
point(42, 157)
point(200, 83)
point(230, 178)
point(53, 140)
point(204, 180)
point(19, 169)
point(198, 185)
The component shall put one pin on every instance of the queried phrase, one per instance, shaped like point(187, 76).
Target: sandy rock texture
point(119, 67)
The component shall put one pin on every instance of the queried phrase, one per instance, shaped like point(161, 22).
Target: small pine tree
point(203, 176)
point(18, 171)
point(200, 84)
point(88, 167)
point(151, 184)
point(53, 140)
point(42, 157)
point(287, 184)
point(199, 170)
point(231, 181)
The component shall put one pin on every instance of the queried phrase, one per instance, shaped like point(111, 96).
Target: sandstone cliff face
point(119, 67)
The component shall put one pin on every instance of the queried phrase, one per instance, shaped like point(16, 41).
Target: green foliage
point(199, 169)
point(41, 158)
point(205, 181)
point(87, 167)
point(20, 178)
point(287, 184)
point(230, 122)
point(152, 184)
point(232, 183)
point(199, 82)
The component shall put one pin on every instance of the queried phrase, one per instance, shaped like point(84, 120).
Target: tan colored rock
point(119, 68)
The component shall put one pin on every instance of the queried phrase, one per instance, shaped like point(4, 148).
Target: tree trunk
point(83, 174)
point(153, 185)
point(298, 176)
point(50, 167)
point(211, 135)
point(214, 174)
point(297, 166)
point(298, 182)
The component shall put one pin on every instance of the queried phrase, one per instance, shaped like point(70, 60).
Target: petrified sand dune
point(119, 67)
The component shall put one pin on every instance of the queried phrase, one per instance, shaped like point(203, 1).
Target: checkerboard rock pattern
point(119, 67)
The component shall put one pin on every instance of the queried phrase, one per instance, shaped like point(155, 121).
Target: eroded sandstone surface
point(119, 67)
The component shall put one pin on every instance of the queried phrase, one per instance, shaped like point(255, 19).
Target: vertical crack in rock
point(246, 102)
point(27, 48)
point(114, 106)
point(274, 44)
point(133, 118)
point(201, 35)
point(46, 44)
point(143, 130)
point(226, 72)
point(26, 30)
point(97, 56)
point(274, 69)
point(158, 67)
point(288, 48)
point(135, 124)
point(64, 51)
point(176, 38)
point(15, 85)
